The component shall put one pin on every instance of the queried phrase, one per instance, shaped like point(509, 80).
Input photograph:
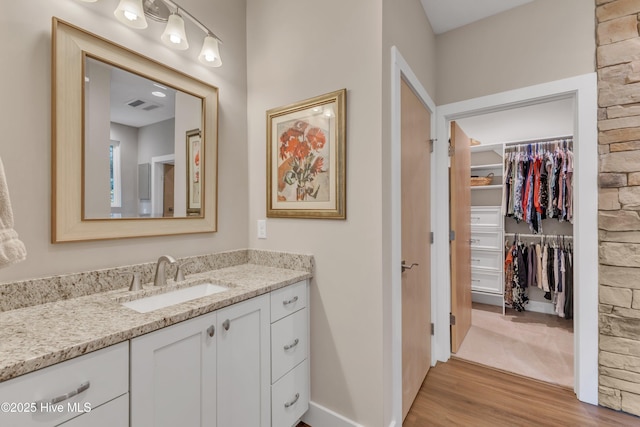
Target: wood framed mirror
point(115, 143)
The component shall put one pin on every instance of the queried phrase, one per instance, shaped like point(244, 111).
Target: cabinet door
point(243, 339)
point(173, 375)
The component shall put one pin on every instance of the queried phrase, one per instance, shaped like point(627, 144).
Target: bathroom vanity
point(238, 357)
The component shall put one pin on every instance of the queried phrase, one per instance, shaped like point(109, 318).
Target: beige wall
point(298, 50)
point(539, 42)
point(25, 128)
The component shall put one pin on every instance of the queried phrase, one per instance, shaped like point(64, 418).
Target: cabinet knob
point(211, 330)
point(226, 325)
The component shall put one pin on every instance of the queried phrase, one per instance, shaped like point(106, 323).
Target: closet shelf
point(486, 187)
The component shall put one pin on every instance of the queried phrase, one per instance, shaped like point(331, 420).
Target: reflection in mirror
point(131, 121)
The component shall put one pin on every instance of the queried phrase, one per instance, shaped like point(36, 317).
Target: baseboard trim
point(319, 416)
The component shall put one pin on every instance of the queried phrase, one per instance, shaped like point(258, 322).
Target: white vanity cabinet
point(289, 355)
point(173, 375)
point(90, 390)
point(207, 371)
point(243, 364)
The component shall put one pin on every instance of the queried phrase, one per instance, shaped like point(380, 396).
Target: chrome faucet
point(161, 276)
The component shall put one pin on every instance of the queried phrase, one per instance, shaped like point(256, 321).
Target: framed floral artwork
point(194, 175)
point(306, 158)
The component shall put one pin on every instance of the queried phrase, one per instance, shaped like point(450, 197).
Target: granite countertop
point(34, 337)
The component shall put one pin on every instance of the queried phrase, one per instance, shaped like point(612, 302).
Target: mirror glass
point(128, 162)
point(137, 143)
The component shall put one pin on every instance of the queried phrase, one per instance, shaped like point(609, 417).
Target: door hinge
point(452, 235)
point(433, 329)
point(452, 319)
point(431, 237)
point(431, 142)
point(450, 149)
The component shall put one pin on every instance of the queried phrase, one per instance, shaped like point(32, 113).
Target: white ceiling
point(547, 120)
point(445, 15)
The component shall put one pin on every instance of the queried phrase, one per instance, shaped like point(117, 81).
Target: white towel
point(12, 249)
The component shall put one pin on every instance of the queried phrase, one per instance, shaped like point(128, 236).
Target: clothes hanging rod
point(535, 141)
point(547, 236)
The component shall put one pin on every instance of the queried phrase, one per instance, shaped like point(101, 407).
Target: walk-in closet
point(521, 257)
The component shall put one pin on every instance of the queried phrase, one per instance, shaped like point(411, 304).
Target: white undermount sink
point(154, 302)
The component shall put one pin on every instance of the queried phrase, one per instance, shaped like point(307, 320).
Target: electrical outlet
point(262, 229)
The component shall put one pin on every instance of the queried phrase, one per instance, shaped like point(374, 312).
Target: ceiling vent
point(141, 104)
point(136, 103)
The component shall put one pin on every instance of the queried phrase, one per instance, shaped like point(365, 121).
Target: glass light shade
point(131, 13)
point(174, 35)
point(210, 53)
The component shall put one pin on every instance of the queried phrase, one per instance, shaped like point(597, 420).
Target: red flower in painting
point(302, 144)
point(316, 138)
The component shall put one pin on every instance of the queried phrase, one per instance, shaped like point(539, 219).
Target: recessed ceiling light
point(158, 94)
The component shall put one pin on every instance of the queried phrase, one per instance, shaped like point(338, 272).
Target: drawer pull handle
point(63, 397)
point(211, 330)
point(475, 240)
point(475, 280)
point(293, 402)
point(475, 260)
point(477, 218)
point(226, 325)
point(292, 345)
point(291, 301)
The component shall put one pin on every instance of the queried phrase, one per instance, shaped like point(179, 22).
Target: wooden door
point(244, 377)
point(173, 375)
point(416, 227)
point(460, 219)
point(168, 190)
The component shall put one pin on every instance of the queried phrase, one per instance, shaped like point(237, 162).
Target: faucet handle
point(180, 272)
point(135, 281)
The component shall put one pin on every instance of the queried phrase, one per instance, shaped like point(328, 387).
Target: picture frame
point(195, 168)
point(306, 158)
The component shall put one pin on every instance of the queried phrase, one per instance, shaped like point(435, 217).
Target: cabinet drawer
point(289, 343)
point(485, 217)
point(106, 372)
point(486, 239)
point(486, 281)
point(288, 300)
point(111, 414)
point(486, 259)
point(290, 396)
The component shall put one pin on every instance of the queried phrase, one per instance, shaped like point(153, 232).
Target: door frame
point(400, 70)
point(157, 164)
point(583, 89)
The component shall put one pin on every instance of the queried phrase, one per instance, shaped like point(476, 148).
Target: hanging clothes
point(538, 183)
point(547, 265)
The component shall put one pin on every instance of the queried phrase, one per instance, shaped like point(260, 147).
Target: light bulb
point(210, 53)
point(131, 13)
point(174, 35)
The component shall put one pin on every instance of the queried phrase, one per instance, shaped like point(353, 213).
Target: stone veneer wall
point(618, 63)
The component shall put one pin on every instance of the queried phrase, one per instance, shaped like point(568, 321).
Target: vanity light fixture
point(133, 12)
point(174, 35)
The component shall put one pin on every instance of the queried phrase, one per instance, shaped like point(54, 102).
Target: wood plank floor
point(459, 393)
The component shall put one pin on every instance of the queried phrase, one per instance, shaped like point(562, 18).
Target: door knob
point(408, 267)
